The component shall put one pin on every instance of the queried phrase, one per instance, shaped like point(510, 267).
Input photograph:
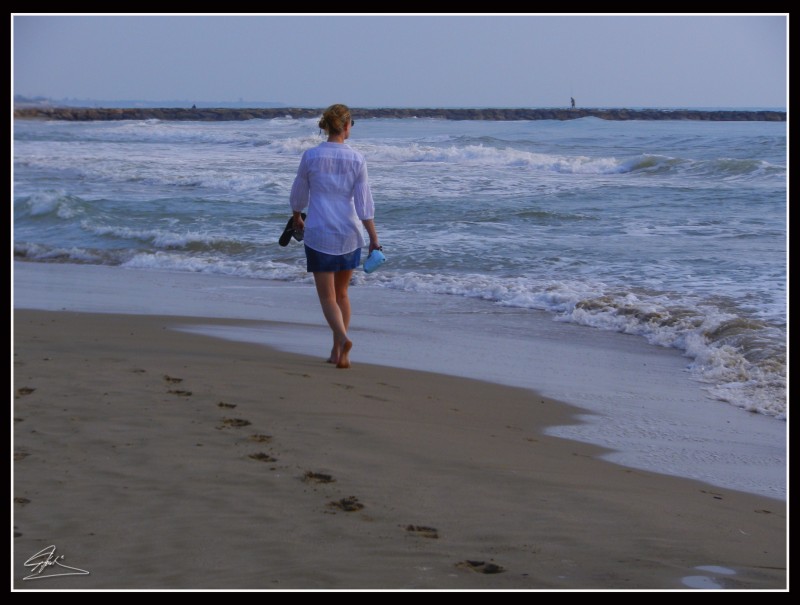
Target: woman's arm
point(369, 225)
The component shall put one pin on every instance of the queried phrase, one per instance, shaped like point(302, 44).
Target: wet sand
point(158, 459)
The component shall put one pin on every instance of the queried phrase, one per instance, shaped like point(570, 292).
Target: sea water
point(673, 232)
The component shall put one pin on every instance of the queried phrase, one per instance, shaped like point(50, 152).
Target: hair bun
point(335, 119)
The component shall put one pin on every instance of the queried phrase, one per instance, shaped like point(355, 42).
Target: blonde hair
point(335, 119)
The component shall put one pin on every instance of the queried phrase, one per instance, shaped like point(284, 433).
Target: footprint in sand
point(347, 504)
point(169, 378)
point(234, 422)
point(22, 391)
point(375, 397)
point(261, 456)
point(180, 393)
point(222, 404)
point(423, 531)
point(311, 477)
point(480, 566)
point(19, 455)
point(21, 501)
point(260, 438)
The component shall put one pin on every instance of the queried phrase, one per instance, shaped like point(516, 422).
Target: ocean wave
point(188, 240)
point(293, 271)
point(294, 146)
point(222, 172)
point(649, 164)
point(78, 255)
point(484, 155)
point(148, 133)
point(737, 358)
point(50, 204)
point(721, 168)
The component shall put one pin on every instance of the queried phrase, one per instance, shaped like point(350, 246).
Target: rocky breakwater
point(227, 114)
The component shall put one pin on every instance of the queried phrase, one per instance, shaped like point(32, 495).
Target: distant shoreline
point(497, 114)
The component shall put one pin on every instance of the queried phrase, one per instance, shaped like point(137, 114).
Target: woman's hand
point(299, 223)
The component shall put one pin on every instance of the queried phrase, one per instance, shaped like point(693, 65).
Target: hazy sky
point(407, 60)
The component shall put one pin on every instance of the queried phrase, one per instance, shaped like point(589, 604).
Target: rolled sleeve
point(362, 195)
point(298, 198)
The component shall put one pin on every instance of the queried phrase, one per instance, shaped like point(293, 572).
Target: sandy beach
point(153, 458)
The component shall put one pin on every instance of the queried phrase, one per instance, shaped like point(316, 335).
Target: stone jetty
point(228, 114)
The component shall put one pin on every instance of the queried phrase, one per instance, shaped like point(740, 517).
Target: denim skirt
point(317, 261)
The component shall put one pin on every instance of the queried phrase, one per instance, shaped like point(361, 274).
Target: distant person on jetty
point(572, 100)
point(332, 182)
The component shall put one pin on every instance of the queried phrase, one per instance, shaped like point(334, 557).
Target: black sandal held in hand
point(289, 231)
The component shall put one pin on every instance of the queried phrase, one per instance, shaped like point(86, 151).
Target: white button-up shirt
point(332, 182)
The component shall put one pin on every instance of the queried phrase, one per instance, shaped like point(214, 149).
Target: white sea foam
point(46, 202)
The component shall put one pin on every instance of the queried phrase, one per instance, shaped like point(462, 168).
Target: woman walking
point(332, 184)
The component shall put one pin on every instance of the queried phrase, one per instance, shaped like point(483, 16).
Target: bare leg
point(336, 309)
point(341, 283)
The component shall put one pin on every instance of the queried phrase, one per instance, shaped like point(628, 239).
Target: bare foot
point(336, 351)
point(344, 357)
